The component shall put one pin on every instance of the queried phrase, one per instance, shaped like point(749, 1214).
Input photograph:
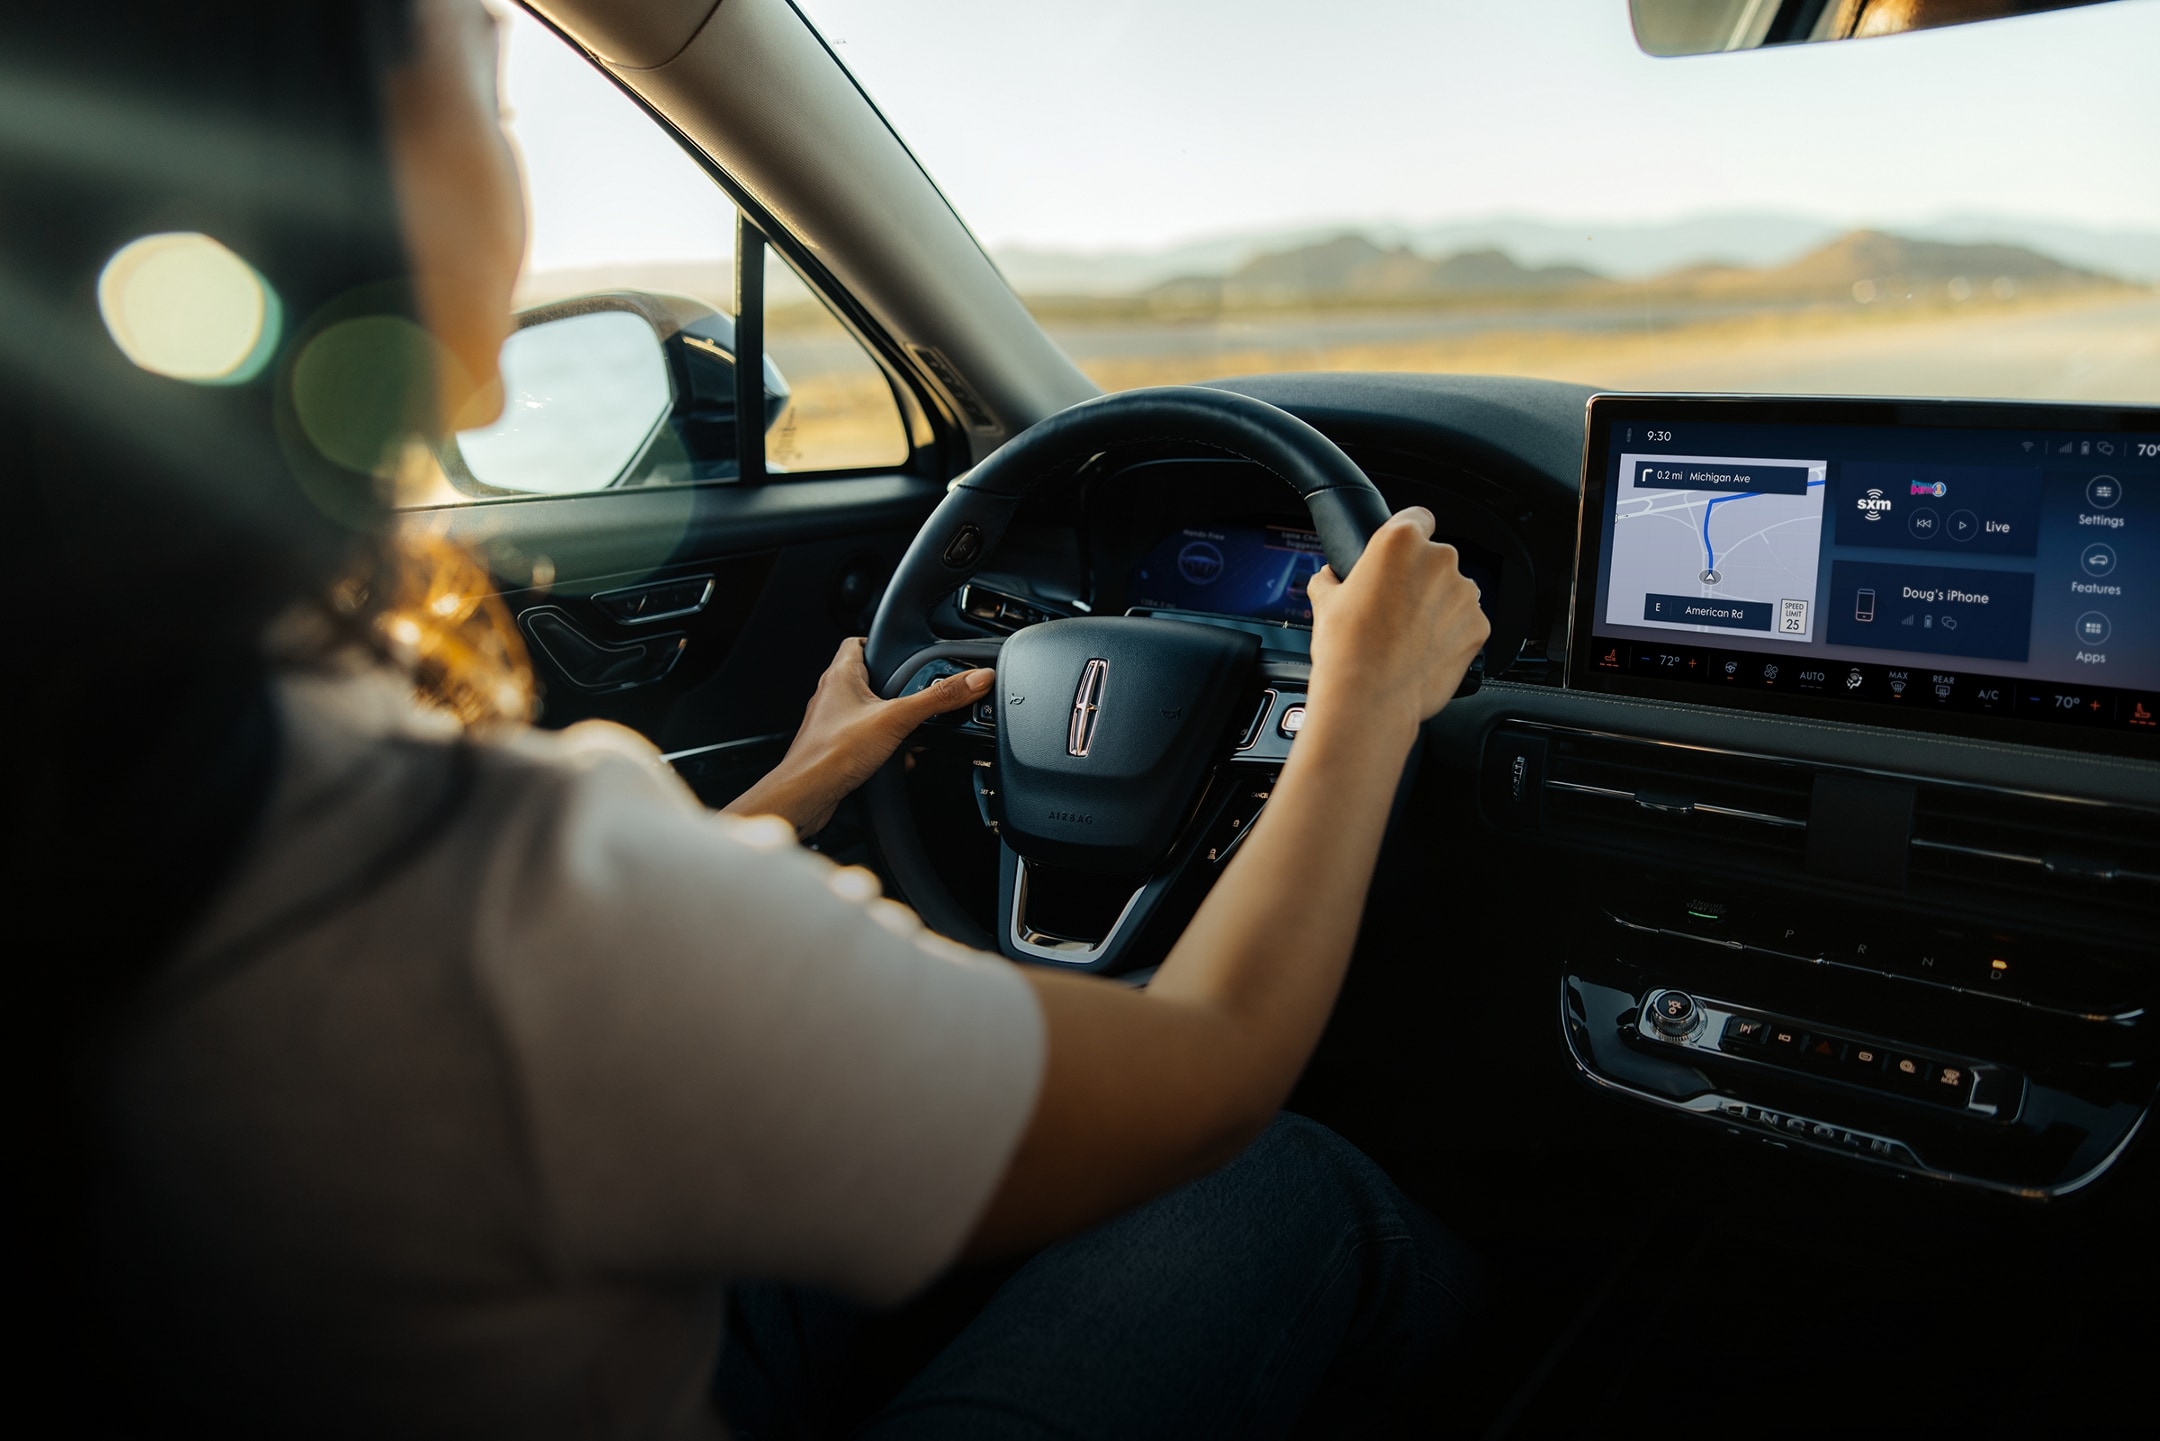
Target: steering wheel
point(1131, 753)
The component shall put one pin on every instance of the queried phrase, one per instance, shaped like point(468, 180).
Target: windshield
point(1188, 189)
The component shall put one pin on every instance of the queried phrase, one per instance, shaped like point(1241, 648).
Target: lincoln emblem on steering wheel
point(1087, 703)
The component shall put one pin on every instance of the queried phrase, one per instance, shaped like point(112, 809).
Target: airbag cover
point(1105, 789)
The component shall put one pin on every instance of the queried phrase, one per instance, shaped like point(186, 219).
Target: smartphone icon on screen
point(1864, 605)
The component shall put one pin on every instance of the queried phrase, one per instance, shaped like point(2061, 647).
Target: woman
point(414, 1072)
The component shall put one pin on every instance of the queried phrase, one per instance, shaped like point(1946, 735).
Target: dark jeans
point(1293, 1292)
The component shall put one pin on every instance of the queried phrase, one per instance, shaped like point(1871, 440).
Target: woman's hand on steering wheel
point(1392, 642)
point(846, 734)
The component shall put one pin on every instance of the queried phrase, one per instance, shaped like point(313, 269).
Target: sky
point(1096, 125)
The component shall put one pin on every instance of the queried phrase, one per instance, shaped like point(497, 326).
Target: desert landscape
point(1866, 312)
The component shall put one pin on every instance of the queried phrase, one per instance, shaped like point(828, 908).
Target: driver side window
point(622, 370)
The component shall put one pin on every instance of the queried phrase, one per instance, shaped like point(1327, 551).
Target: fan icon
point(1853, 678)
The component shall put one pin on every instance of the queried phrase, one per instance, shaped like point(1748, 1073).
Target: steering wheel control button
point(1675, 1014)
point(965, 548)
point(1293, 721)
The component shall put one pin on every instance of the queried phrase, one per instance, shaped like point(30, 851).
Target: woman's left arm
point(847, 733)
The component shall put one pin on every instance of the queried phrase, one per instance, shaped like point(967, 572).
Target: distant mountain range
point(1354, 269)
point(1620, 251)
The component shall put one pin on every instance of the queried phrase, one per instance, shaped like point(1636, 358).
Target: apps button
point(2093, 628)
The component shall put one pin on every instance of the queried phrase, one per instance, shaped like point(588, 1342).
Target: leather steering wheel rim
point(1345, 506)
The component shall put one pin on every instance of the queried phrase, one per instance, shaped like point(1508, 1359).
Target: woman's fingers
point(946, 693)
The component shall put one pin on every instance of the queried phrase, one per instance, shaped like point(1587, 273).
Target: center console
point(1908, 968)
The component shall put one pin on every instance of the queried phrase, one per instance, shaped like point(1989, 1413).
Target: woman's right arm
point(1145, 1089)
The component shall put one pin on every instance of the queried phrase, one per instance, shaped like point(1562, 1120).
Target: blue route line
point(1709, 555)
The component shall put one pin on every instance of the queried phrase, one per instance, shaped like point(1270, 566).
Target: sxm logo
point(1921, 487)
point(1874, 505)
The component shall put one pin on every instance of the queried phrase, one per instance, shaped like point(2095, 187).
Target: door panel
point(796, 566)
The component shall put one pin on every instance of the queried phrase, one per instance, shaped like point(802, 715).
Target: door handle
point(596, 665)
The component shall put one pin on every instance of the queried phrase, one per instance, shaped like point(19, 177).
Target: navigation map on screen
point(1717, 544)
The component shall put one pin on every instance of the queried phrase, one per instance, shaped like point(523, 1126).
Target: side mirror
point(607, 391)
point(1703, 27)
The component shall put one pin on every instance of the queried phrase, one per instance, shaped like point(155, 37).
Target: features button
point(2098, 559)
point(2102, 491)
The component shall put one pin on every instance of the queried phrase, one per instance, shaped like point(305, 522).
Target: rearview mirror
point(1703, 27)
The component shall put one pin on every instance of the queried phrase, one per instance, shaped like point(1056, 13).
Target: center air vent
point(1969, 849)
point(2096, 856)
point(1681, 803)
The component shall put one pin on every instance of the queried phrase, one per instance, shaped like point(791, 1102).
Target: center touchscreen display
point(1883, 560)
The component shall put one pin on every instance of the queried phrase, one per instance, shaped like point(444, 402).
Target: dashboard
point(1818, 740)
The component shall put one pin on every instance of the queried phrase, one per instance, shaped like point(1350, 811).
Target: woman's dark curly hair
point(157, 528)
